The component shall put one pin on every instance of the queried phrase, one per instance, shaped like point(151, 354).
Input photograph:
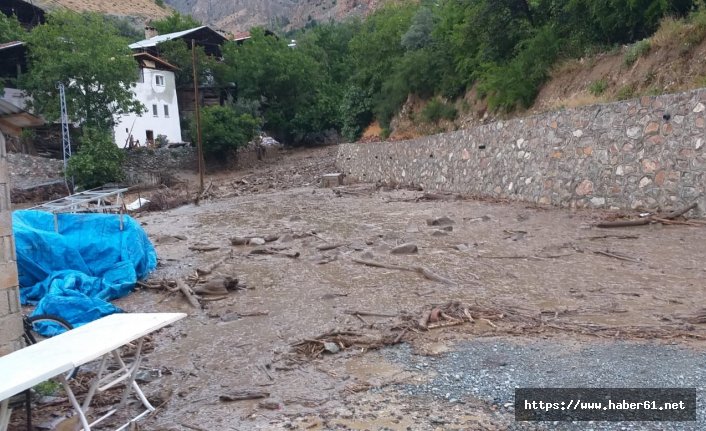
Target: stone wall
point(149, 167)
point(10, 317)
point(647, 153)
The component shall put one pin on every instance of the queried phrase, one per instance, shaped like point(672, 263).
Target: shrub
point(626, 92)
point(598, 87)
point(636, 50)
point(223, 131)
point(436, 110)
point(98, 160)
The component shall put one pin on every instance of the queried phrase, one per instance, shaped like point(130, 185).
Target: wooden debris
point(325, 247)
point(616, 255)
point(188, 294)
point(664, 218)
point(419, 269)
point(365, 313)
point(242, 395)
point(268, 250)
point(209, 268)
point(203, 247)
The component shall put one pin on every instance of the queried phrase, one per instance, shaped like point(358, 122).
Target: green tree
point(175, 22)
point(93, 62)
point(10, 29)
point(178, 53)
point(224, 131)
point(293, 92)
point(98, 160)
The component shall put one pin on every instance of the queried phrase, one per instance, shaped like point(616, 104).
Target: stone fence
point(639, 154)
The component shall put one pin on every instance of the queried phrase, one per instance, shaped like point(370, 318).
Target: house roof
point(154, 41)
point(11, 44)
point(241, 35)
point(16, 118)
point(147, 56)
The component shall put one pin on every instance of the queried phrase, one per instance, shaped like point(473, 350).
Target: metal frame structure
point(83, 201)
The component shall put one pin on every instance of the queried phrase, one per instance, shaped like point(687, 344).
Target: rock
point(237, 240)
point(440, 221)
point(269, 405)
point(285, 238)
point(295, 218)
point(439, 233)
point(584, 188)
point(331, 347)
point(257, 241)
point(408, 248)
point(448, 228)
point(462, 247)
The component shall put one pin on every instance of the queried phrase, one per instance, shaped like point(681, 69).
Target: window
point(155, 113)
point(166, 111)
point(159, 80)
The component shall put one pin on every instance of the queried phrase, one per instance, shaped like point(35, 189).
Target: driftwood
point(209, 268)
point(616, 256)
point(265, 250)
point(326, 247)
point(419, 269)
point(199, 247)
point(649, 219)
point(242, 395)
point(188, 294)
point(365, 313)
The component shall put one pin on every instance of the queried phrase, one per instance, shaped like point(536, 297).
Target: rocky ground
point(338, 327)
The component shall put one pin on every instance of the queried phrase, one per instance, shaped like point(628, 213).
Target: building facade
point(156, 90)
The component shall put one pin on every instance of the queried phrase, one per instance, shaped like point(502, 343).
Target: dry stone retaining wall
point(643, 153)
point(10, 317)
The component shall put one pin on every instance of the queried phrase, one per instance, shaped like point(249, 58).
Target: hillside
point(140, 10)
point(240, 15)
point(671, 61)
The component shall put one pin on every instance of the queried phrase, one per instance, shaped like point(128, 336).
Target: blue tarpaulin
point(75, 272)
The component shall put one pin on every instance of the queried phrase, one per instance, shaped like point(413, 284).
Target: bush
point(626, 92)
point(598, 87)
point(437, 110)
point(98, 160)
point(223, 131)
point(636, 50)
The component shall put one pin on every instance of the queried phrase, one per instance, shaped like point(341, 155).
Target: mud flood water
point(543, 264)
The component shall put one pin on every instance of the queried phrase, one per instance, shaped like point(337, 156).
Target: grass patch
point(437, 110)
point(48, 388)
point(598, 87)
point(636, 50)
point(626, 92)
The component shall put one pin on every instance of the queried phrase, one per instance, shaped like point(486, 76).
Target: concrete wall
point(10, 317)
point(150, 93)
point(644, 153)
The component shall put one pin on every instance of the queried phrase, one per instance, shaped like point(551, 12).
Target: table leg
point(75, 404)
point(5, 413)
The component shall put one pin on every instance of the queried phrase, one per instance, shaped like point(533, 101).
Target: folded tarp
point(75, 272)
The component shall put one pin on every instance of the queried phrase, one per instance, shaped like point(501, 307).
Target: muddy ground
point(554, 301)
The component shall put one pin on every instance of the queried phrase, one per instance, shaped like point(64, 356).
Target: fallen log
point(419, 269)
point(326, 247)
point(209, 268)
point(242, 395)
point(365, 313)
point(265, 250)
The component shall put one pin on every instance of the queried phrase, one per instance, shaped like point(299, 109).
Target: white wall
point(149, 93)
point(16, 97)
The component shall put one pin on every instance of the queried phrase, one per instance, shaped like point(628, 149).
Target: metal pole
point(198, 117)
point(65, 136)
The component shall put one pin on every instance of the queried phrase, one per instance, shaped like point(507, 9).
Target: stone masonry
point(647, 153)
point(10, 317)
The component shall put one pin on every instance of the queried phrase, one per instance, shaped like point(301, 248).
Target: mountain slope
point(238, 15)
point(138, 9)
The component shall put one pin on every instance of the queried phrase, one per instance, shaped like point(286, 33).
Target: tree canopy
point(93, 62)
point(175, 22)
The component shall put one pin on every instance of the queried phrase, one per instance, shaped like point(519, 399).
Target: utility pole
point(65, 136)
point(198, 117)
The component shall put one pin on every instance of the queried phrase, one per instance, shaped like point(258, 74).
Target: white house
point(156, 90)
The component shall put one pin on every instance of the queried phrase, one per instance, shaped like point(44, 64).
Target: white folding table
point(56, 356)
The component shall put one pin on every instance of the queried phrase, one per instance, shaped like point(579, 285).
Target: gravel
point(489, 369)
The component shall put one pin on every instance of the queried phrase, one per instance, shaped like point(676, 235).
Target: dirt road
point(546, 289)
